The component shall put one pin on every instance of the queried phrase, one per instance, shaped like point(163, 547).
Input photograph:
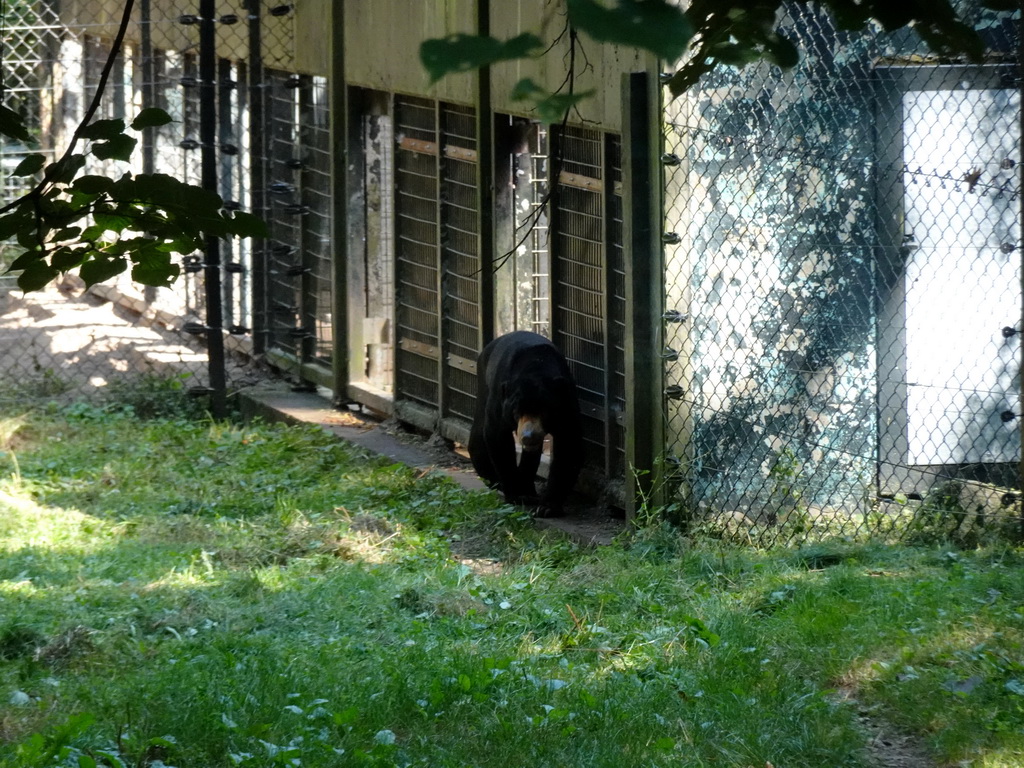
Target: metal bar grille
point(460, 259)
point(616, 292)
point(580, 288)
point(416, 251)
point(285, 257)
point(314, 133)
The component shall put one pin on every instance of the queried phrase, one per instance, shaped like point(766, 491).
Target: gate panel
point(417, 371)
point(460, 257)
point(285, 264)
point(589, 314)
point(616, 316)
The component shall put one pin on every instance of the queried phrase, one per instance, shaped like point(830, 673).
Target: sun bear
point(526, 389)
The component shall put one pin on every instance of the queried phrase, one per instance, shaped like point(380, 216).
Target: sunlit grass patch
point(209, 594)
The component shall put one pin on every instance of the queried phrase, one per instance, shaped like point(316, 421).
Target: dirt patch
point(66, 341)
point(887, 746)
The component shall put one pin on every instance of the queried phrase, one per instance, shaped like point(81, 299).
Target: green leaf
point(157, 272)
point(24, 260)
point(118, 148)
point(68, 233)
point(30, 165)
point(151, 117)
point(248, 225)
point(461, 53)
point(93, 185)
point(63, 259)
point(12, 125)
point(30, 236)
point(101, 268)
point(102, 129)
point(550, 107)
point(113, 221)
point(652, 25)
point(782, 51)
point(64, 170)
point(36, 275)
point(15, 221)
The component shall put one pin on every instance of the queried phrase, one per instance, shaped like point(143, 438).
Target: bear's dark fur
point(525, 388)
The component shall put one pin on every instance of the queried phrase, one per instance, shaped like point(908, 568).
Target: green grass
point(199, 594)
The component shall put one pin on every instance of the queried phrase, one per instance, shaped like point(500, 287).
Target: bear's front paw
point(523, 499)
point(548, 509)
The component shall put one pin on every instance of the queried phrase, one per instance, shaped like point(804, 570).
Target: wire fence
point(64, 341)
point(844, 291)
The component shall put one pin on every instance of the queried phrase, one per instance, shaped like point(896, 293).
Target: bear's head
point(533, 405)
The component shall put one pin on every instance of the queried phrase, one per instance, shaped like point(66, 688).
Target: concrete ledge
point(309, 408)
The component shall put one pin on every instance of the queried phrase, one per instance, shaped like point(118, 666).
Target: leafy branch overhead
point(101, 226)
point(703, 35)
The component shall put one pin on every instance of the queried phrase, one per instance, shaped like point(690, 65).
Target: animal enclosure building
point(791, 300)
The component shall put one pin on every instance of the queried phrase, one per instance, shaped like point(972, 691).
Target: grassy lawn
point(184, 593)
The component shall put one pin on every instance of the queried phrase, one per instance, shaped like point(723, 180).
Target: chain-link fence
point(844, 290)
point(227, 303)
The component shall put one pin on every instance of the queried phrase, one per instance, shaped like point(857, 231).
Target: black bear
point(525, 388)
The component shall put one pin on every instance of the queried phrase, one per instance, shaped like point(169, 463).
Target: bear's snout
point(531, 433)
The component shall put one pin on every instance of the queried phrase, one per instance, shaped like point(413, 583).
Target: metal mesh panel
point(286, 258)
point(588, 262)
point(843, 260)
point(460, 259)
point(417, 240)
point(616, 291)
point(537, 242)
point(371, 274)
point(298, 162)
point(53, 59)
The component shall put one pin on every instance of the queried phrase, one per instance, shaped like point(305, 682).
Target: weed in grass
point(155, 397)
